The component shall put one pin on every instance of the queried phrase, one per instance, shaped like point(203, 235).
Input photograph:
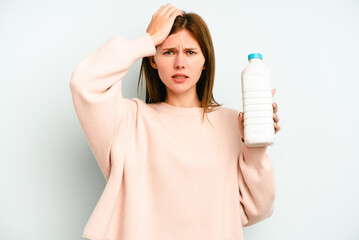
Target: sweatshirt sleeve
point(256, 184)
point(96, 89)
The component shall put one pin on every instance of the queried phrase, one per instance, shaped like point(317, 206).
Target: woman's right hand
point(162, 22)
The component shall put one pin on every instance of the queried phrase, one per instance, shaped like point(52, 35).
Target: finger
point(173, 12)
point(275, 118)
point(275, 107)
point(240, 117)
point(276, 128)
point(273, 92)
point(158, 11)
point(176, 13)
point(168, 10)
point(162, 10)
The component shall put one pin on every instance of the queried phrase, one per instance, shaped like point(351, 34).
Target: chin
point(178, 90)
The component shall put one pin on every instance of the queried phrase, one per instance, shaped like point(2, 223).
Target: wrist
point(153, 39)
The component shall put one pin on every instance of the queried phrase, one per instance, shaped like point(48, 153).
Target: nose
point(179, 61)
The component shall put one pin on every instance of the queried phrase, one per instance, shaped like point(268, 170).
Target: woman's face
point(179, 61)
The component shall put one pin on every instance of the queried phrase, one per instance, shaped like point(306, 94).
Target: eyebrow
point(172, 48)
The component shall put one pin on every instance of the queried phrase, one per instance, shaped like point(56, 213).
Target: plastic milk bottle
point(257, 103)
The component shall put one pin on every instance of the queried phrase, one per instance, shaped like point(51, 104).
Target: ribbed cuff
point(143, 46)
point(254, 155)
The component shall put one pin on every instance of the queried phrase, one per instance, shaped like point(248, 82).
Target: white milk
point(257, 103)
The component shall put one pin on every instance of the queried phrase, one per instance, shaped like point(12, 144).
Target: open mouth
point(179, 76)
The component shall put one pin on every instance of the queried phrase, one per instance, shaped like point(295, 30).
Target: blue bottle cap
point(255, 55)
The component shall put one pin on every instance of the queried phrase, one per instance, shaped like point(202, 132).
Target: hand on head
point(162, 22)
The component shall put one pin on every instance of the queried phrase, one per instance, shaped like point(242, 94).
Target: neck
point(183, 101)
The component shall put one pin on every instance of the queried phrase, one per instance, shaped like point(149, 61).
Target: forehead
point(182, 38)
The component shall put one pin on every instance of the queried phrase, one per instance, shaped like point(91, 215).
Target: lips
point(178, 75)
point(179, 78)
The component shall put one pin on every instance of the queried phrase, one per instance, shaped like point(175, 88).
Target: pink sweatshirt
point(169, 175)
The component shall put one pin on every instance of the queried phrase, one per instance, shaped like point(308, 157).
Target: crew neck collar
point(183, 111)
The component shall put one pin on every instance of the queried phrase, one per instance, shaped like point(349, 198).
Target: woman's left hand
point(275, 118)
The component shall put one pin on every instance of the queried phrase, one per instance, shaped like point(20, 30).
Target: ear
point(152, 62)
point(204, 67)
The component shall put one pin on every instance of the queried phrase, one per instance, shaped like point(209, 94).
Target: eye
point(168, 52)
point(191, 53)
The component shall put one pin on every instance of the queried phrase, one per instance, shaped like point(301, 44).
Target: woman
point(170, 174)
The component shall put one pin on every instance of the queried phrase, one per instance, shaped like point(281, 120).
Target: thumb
point(240, 117)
